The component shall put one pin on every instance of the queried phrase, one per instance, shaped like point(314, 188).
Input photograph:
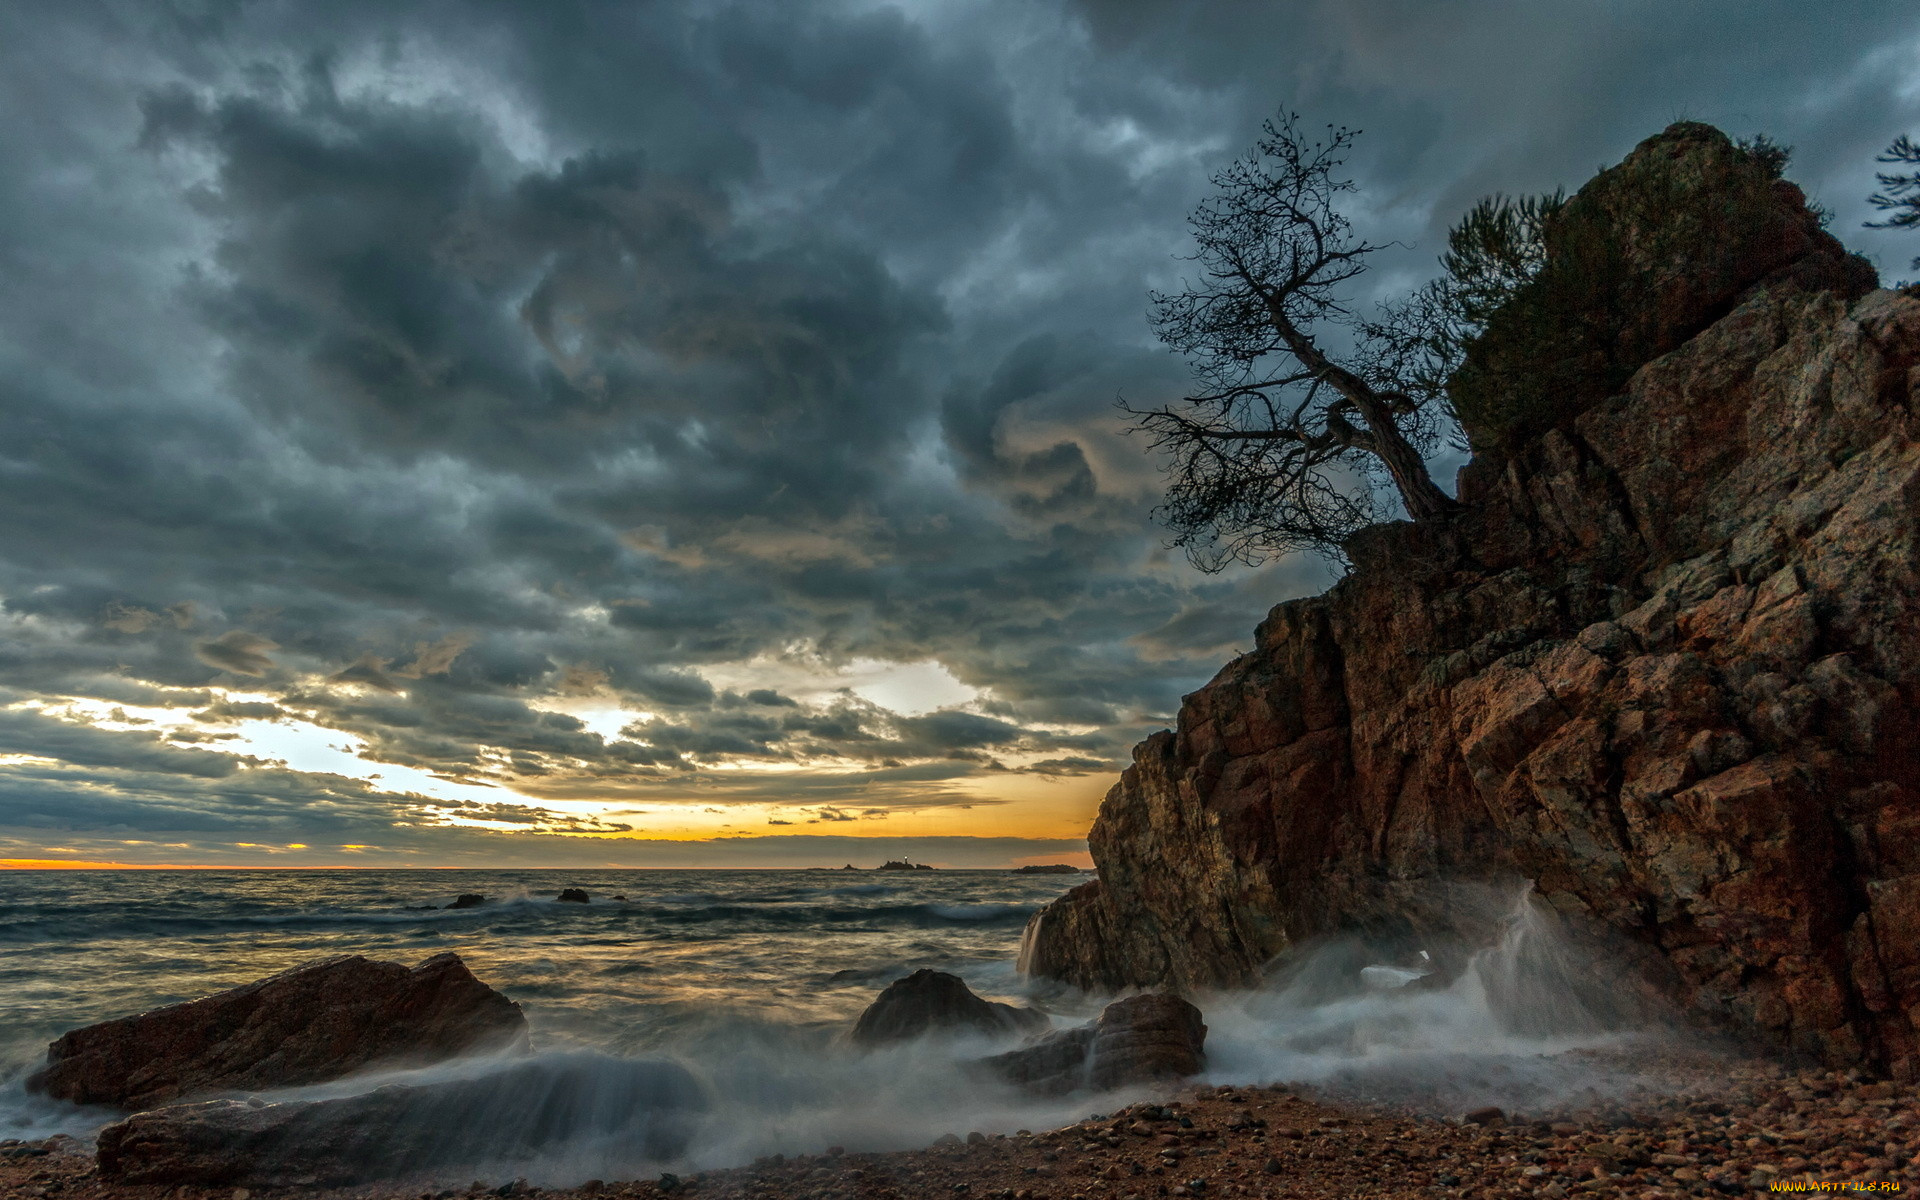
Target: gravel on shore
point(1702, 1127)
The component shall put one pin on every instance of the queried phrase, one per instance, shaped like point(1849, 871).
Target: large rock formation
point(315, 1022)
point(929, 1001)
point(495, 1121)
point(1665, 665)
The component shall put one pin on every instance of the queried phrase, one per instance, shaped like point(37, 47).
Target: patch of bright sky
point(304, 746)
point(301, 745)
point(599, 717)
point(910, 688)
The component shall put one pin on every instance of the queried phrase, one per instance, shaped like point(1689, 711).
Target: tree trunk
point(1422, 496)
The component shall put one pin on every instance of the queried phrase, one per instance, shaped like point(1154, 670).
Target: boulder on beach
point(1141, 1039)
point(928, 1001)
point(316, 1022)
point(572, 896)
point(495, 1121)
point(468, 900)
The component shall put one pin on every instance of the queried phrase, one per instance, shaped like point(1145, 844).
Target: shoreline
point(1700, 1125)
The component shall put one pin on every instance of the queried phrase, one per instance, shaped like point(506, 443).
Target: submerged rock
point(313, 1023)
point(572, 896)
point(928, 1001)
point(468, 900)
point(498, 1119)
point(1663, 665)
point(1141, 1039)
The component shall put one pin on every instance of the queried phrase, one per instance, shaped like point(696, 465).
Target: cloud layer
point(558, 410)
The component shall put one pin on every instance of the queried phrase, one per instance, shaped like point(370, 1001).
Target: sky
point(684, 434)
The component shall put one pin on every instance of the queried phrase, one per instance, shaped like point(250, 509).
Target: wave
point(807, 914)
point(72, 928)
point(93, 926)
point(981, 912)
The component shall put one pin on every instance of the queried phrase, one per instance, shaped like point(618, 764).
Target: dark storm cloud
point(419, 370)
point(237, 651)
point(131, 798)
point(24, 731)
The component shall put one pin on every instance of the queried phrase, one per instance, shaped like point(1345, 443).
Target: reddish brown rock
point(1141, 1039)
point(1665, 665)
point(931, 1001)
point(320, 1021)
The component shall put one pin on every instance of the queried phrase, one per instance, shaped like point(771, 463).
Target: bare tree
point(1279, 449)
point(1902, 194)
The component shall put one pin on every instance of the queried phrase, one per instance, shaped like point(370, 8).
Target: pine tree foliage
point(1421, 340)
point(1901, 191)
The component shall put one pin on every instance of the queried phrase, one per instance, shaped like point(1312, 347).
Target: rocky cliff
point(1664, 665)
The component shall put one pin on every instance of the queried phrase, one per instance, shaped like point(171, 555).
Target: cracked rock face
point(1665, 666)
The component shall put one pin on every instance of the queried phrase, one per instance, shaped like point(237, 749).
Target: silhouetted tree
point(1902, 194)
point(1281, 446)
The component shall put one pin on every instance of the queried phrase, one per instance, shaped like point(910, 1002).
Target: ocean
point(749, 980)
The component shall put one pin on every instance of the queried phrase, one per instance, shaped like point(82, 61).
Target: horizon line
point(37, 864)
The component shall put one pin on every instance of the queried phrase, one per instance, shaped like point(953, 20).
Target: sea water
point(747, 981)
point(749, 978)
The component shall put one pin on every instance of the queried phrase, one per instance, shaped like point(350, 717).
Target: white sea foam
point(1505, 1029)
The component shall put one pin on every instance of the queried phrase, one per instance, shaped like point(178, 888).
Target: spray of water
point(1516, 1010)
point(733, 1092)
